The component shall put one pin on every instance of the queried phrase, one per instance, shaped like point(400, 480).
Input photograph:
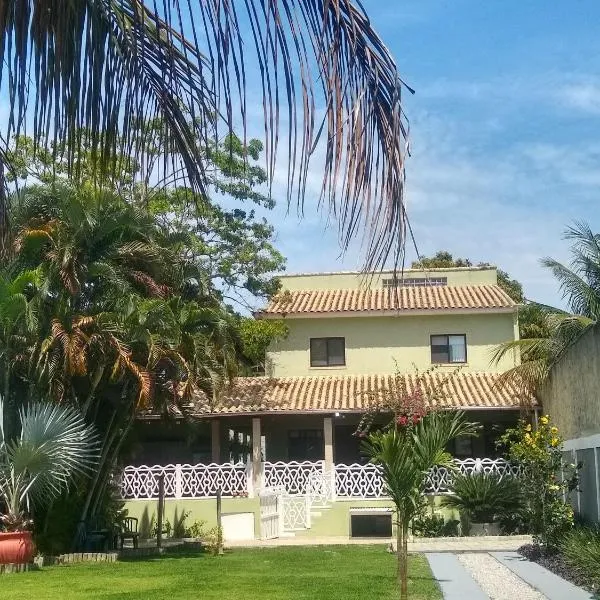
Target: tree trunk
point(402, 554)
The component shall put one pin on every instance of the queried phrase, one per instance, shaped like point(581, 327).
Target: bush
point(484, 497)
point(581, 550)
point(545, 479)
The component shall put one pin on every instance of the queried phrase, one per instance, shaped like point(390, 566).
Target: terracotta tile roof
point(355, 393)
point(469, 297)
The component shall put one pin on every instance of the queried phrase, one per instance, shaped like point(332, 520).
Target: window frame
point(327, 340)
point(448, 336)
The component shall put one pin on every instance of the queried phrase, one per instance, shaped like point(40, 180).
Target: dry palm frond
point(97, 69)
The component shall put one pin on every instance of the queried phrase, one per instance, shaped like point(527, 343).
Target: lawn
point(308, 573)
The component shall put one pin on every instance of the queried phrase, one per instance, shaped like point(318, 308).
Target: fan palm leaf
point(99, 68)
point(55, 444)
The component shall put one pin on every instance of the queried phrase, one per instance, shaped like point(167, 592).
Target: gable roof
point(386, 301)
point(355, 393)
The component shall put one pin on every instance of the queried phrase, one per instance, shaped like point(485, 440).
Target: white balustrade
point(271, 513)
point(184, 481)
point(303, 479)
point(292, 476)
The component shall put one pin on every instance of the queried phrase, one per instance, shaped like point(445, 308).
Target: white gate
point(296, 512)
point(271, 517)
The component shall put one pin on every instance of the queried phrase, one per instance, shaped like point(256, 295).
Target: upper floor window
point(414, 282)
point(327, 352)
point(448, 349)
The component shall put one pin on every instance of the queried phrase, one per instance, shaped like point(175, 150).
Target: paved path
point(498, 576)
point(549, 584)
point(454, 580)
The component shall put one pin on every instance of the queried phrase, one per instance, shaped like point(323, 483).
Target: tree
point(229, 249)
point(444, 260)
point(406, 452)
point(547, 331)
point(101, 67)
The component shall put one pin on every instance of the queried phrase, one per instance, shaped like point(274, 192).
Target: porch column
point(256, 455)
point(328, 438)
point(215, 440)
point(329, 468)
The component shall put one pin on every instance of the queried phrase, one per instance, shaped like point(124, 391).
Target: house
point(350, 338)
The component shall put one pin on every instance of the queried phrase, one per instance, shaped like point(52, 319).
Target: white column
point(256, 454)
point(215, 438)
point(328, 437)
point(329, 468)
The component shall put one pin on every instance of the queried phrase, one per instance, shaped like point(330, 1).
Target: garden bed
point(556, 563)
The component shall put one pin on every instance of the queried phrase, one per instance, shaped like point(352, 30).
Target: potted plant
point(54, 445)
point(482, 498)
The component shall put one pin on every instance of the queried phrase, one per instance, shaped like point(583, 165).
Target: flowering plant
point(546, 479)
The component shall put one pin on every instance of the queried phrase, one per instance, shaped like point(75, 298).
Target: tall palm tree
point(406, 454)
point(103, 66)
point(549, 331)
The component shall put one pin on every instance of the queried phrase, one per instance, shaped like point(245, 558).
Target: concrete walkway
point(454, 580)
point(539, 578)
point(458, 582)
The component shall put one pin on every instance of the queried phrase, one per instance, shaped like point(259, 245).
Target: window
point(448, 349)
point(327, 352)
point(414, 282)
point(305, 444)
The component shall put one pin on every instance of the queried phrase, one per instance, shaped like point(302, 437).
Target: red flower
point(402, 420)
point(416, 418)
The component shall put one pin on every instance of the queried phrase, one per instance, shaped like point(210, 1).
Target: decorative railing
point(303, 479)
point(365, 481)
point(292, 476)
point(185, 481)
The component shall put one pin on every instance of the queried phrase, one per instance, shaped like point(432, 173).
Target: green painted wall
point(382, 344)
point(333, 521)
point(200, 510)
point(352, 280)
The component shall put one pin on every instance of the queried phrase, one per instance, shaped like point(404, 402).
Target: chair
point(98, 536)
point(129, 531)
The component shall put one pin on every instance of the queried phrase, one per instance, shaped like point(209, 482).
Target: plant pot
point(16, 547)
point(479, 529)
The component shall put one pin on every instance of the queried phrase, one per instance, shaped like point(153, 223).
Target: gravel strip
point(498, 582)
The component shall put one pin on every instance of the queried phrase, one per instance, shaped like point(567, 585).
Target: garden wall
point(572, 398)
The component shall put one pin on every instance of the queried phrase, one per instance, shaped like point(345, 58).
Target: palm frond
point(100, 68)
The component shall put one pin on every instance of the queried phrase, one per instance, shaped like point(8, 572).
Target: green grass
point(293, 573)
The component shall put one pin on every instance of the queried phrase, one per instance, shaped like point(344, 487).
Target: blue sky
point(505, 134)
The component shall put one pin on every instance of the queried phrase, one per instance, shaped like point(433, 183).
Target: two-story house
point(349, 335)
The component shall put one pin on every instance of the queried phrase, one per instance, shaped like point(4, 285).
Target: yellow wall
point(373, 344)
point(353, 280)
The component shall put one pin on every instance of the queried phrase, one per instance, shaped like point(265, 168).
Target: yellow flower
point(544, 420)
point(554, 430)
point(554, 488)
point(528, 438)
point(554, 442)
point(528, 428)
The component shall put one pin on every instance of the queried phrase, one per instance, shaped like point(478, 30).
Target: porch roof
point(407, 300)
point(356, 393)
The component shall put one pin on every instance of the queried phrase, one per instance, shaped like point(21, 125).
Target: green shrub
point(484, 497)
point(581, 550)
point(428, 526)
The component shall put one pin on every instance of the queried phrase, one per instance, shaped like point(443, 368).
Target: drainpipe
point(536, 414)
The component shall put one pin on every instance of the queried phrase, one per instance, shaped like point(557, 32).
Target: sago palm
point(54, 445)
point(405, 455)
point(97, 68)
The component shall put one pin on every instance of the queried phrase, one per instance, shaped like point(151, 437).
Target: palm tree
point(406, 454)
point(97, 68)
point(546, 332)
point(54, 445)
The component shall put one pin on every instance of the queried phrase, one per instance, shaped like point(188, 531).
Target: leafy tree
point(445, 260)
point(98, 68)
point(230, 249)
point(256, 335)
